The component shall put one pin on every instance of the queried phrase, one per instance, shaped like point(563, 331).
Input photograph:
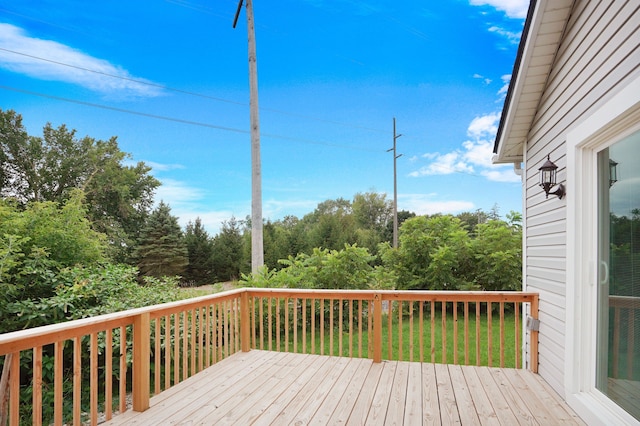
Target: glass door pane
point(618, 332)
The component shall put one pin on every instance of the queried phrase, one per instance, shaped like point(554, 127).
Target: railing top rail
point(48, 334)
point(630, 302)
point(45, 335)
point(406, 295)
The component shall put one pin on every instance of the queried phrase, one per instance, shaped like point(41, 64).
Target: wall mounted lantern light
point(548, 179)
point(613, 172)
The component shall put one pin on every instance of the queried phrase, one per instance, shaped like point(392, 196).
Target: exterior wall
point(598, 56)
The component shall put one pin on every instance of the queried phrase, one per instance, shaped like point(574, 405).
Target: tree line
point(78, 225)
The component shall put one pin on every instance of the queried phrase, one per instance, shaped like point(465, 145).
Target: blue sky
point(170, 80)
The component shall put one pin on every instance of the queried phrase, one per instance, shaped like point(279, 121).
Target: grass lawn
point(406, 342)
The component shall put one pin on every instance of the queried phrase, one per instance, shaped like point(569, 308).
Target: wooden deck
point(262, 387)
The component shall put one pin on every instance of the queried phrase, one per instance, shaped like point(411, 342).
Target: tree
point(199, 249)
point(497, 252)
point(402, 216)
point(48, 168)
point(433, 254)
point(162, 250)
point(36, 244)
point(228, 251)
point(372, 211)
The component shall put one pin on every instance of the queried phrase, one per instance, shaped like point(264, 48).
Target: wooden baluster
point(122, 402)
point(14, 390)
point(400, 341)
point(201, 337)
point(390, 331)
point(433, 331)
point(286, 325)
point(340, 326)
point(350, 328)
point(360, 328)
point(466, 333)
point(370, 336)
point(331, 327)
point(270, 324)
point(93, 378)
point(167, 352)
point(501, 334)
point(77, 379)
point(455, 332)
point(253, 323)
point(227, 329)
point(261, 315)
point(36, 386)
point(295, 325)
point(516, 310)
point(220, 331)
point(616, 341)
point(156, 357)
point(57, 380)
point(630, 342)
point(421, 330)
point(478, 333)
point(185, 345)
point(312, 317)
point(443, 327)
point(321, 326)
point(303, 323)
point(192, 343)
point(489, 335)
point(377, 328)
point(278, 328)
point(410, 331)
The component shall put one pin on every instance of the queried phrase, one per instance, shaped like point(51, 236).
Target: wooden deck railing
point(137, 353)
point(626, 311)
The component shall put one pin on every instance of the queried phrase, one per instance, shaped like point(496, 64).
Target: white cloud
point(485, 80)
point(512, 8)
point(474, 156)
point(211, 220)
point(483, 126)
point(506, 79)
point(32, 51)
point(176, 193)
point(509, 35)
point(501, 174)
point(444, 164)
point(422, 204)
point(159, 167)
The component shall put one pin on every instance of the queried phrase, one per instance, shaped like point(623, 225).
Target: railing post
point(533, 336)
point(245, 322)
point(377, 327)
point(141, 354)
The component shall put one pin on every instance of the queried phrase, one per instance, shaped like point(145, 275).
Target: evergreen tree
point(227, 251)
point(162, 251)
point(200, 249)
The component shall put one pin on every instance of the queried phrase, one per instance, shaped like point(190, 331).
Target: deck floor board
point(263, 388)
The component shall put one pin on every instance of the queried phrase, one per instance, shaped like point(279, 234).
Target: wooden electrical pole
point(395, 186)
point(257, 242)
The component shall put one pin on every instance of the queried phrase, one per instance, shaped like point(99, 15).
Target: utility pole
point(395, 186)
point(257, 244)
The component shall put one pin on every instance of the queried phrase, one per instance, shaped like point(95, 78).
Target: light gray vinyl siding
point(598, 55)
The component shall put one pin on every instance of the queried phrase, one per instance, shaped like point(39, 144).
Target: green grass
point(411, 349)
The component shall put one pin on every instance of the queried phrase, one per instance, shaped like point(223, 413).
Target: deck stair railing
point(127, 357)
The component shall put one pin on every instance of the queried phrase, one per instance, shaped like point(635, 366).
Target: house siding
point(598, 55)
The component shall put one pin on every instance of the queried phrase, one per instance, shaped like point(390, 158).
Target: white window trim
point(614, 120)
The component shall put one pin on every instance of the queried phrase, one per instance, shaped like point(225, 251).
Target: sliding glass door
point(618, 331)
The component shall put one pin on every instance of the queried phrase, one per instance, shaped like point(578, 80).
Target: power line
point(185, 92)
point(180, 120)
